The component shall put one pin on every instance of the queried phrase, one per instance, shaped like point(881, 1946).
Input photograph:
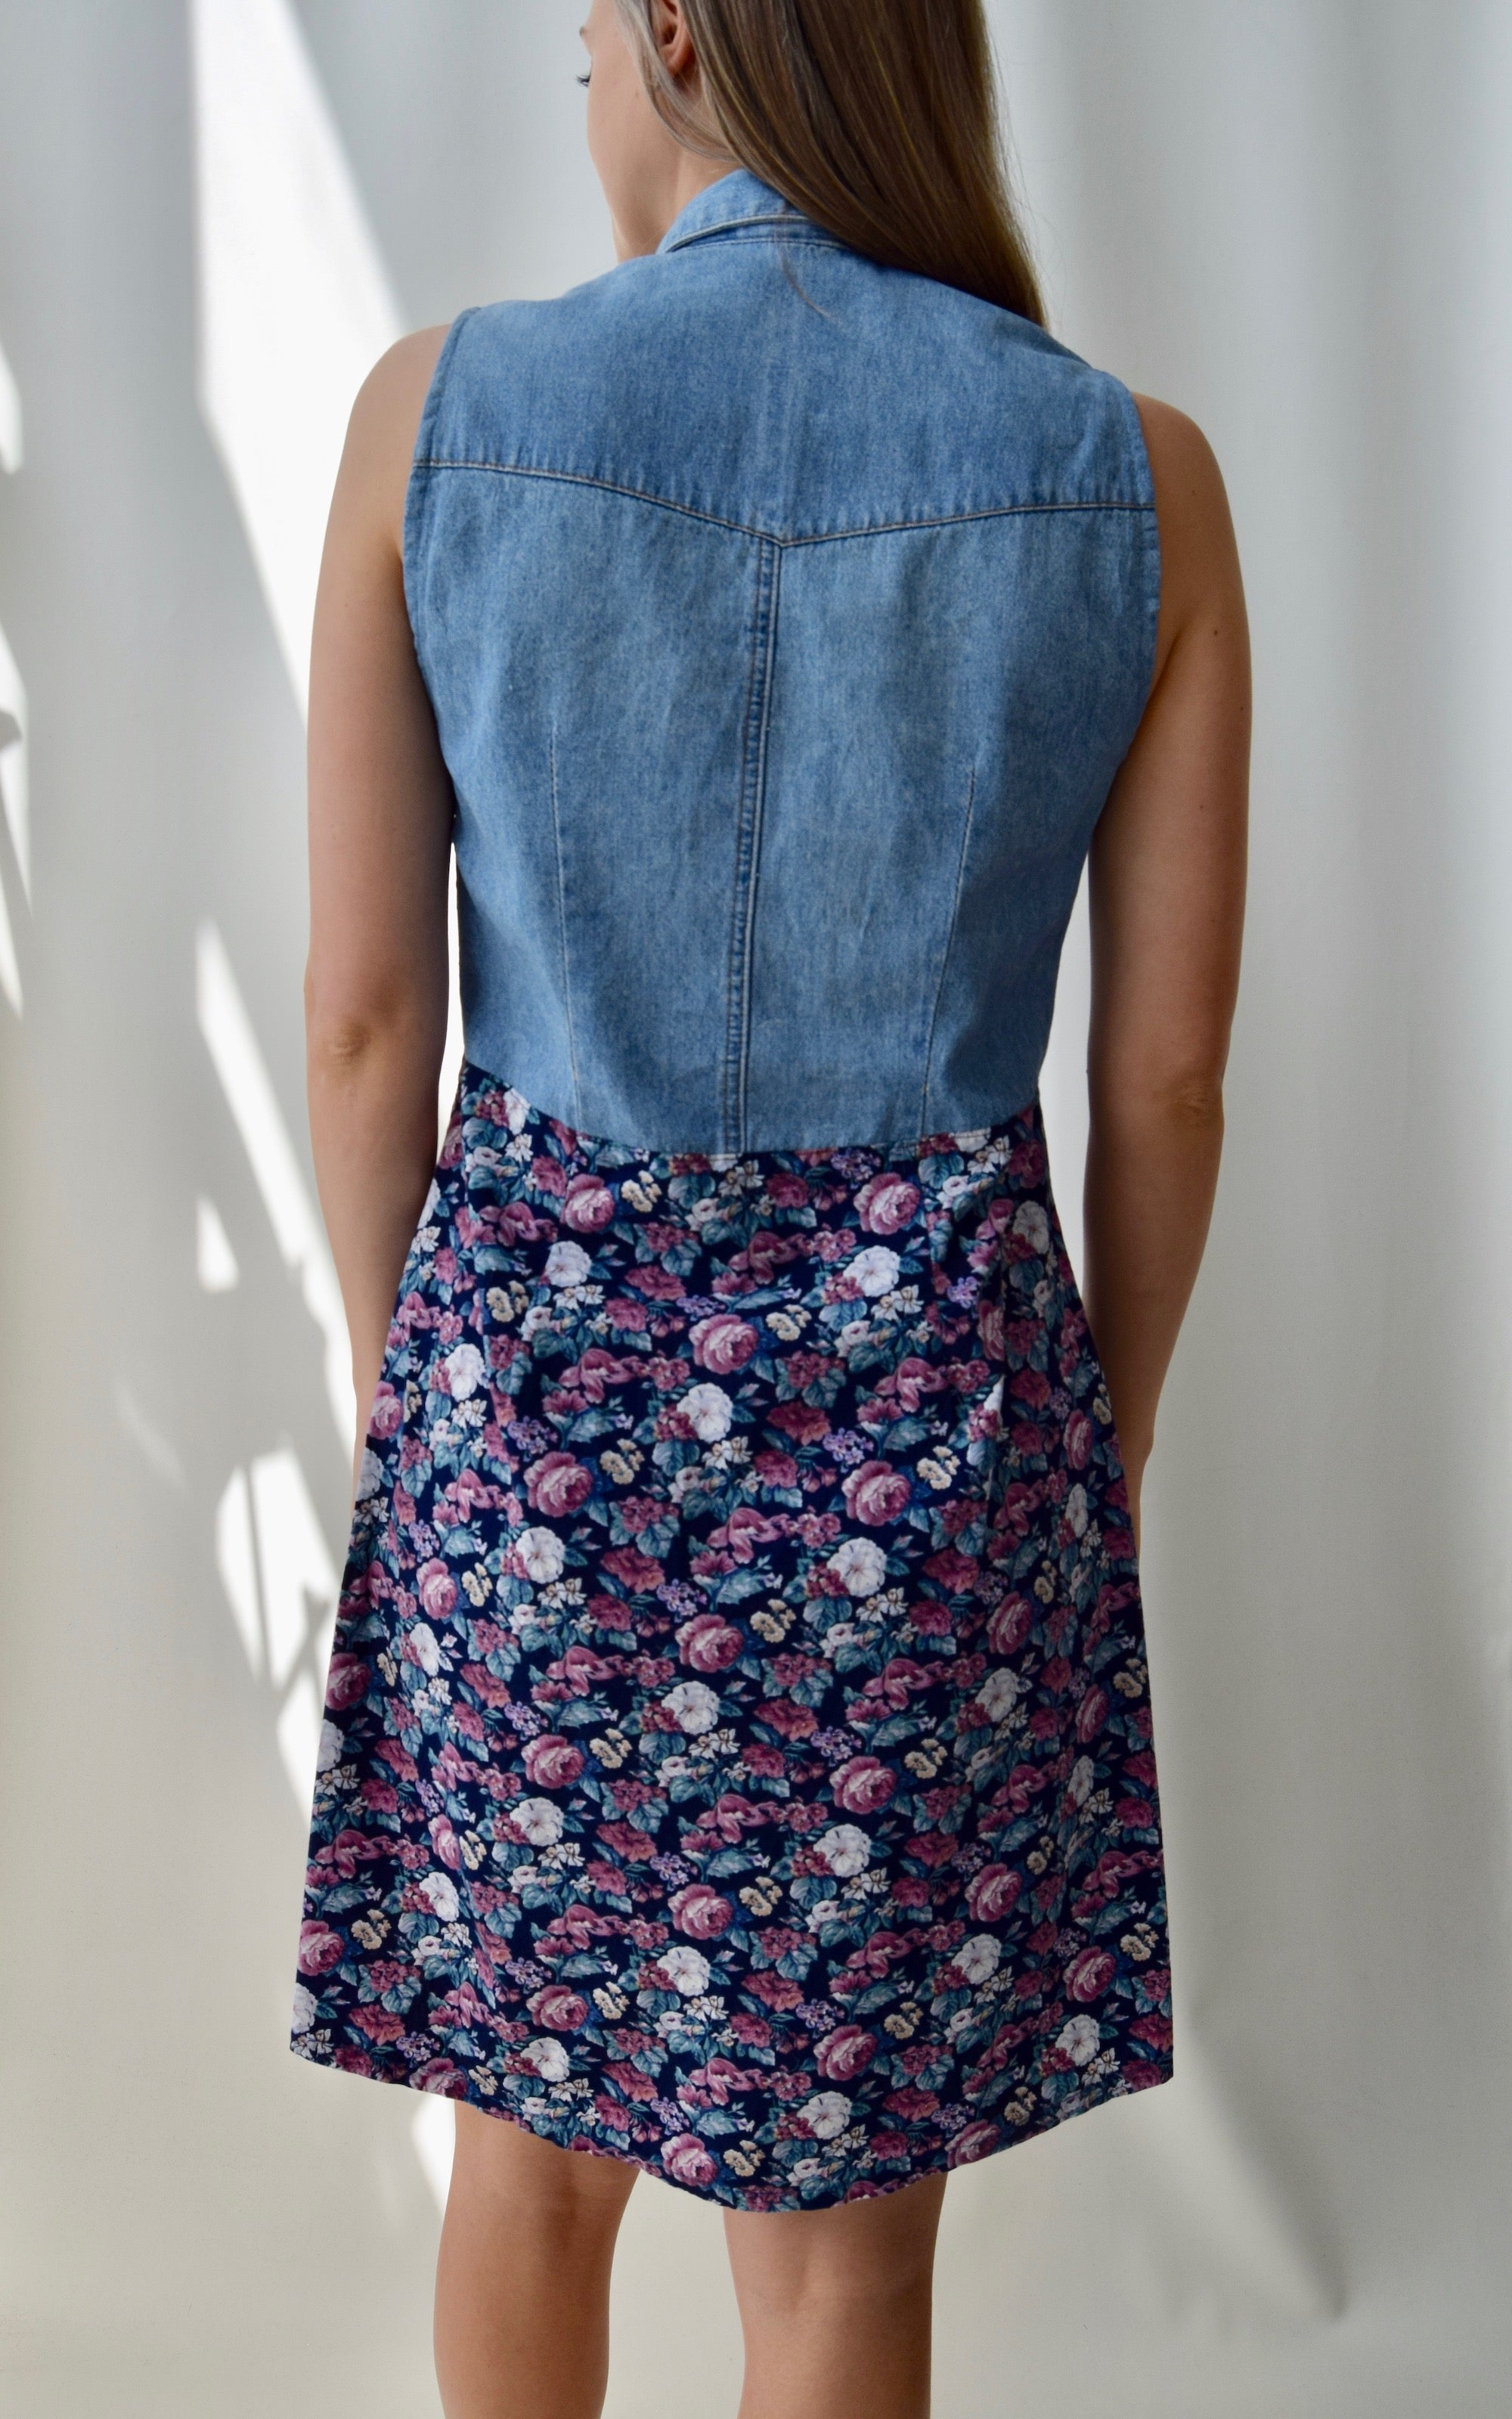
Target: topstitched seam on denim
point(753, 874)
point(561, 927)
point(732, 1108)
point(945, 954)
point(741, 226)
point(753, 529)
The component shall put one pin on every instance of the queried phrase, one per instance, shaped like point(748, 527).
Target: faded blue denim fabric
point(786, 619)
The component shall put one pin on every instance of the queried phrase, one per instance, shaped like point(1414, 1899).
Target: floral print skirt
point(736, 1755)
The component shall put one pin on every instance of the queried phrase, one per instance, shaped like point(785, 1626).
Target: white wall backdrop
point(1294, 219)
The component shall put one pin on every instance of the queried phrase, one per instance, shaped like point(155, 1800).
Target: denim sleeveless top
point(786, 619)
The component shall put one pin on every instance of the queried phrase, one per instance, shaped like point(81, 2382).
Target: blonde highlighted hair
point(877, 119)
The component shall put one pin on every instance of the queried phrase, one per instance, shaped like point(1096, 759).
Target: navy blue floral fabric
point(736, 1755)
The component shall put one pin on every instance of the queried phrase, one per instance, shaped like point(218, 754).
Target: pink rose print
point(846, 2052)
point(1079, 1439)
point(1090, 1715)
point(708, 1643)
point(551, 1763)
point(444, 1840)
point(700, 1911)
point(886, 1204)
point(724, 1343)
point(558, 2008)
point(974, 2142)
point(438, 1589)
point(589, 1204)
point(1009, 1625)
point(863, 1785)
point(438, 2074)
point(877, 1493)
point(320, 1949)
point(346, 1683)
point(556, 1485)
point(992, 1893)
point(1090, 1973)
point(687, 2162)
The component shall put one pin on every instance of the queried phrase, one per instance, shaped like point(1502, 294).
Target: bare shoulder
point(380, 436)
point(1199, 560)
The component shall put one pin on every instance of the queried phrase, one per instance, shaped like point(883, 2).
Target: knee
point(864, 2261)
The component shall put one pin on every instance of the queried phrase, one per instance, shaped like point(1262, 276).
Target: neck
point(692, 172)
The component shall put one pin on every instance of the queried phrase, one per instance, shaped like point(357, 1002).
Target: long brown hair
point(876, 119)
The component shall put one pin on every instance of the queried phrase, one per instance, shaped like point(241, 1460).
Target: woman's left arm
point(380, 837)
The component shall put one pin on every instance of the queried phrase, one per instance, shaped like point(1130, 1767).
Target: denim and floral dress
point(736, 1755)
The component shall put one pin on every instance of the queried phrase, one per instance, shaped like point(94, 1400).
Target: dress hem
point(1119, 2087)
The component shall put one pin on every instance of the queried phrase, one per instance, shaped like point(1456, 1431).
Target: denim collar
point(738, 200)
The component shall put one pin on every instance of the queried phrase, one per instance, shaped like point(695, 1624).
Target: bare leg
point(522, 2284)
point(835, 2305)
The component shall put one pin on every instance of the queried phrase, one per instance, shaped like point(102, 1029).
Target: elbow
point(350, 1037)
point(1184, 1100)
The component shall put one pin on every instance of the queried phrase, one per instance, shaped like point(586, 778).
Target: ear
point(673, 39)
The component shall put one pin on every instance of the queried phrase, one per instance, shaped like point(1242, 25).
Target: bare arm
point(380, 837)
point(1167, 887)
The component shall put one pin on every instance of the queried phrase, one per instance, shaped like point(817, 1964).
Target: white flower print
point(328, 1753)
point(845, 1849)
point(708, 1410)
point(1032, 1222)
point(826, 2115)
point(442, 1892)
point(999, 1694)
point(693, 1706)
point(1083, 1776)
point(539, 1820)
point(305, 2005)
point(859, 1566)
point(1080, 2037)
point(549, 2059)
point(464, 1366)
point(541, 1552)
point(875, 1270)
point(1074, 1511)
point(516, 1110)
point(977, 1960)
point(567, 1264)
point(424, 1646)
point(369, 1476)
point(685, 1969)
point(828, 1910)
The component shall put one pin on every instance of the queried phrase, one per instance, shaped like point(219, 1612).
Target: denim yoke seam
point(785, 538)
point(946, 954)
point(747, 845)
point(561, 932)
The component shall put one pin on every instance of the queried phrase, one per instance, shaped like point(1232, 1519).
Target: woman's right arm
point(380, 841)
point(1166, 892)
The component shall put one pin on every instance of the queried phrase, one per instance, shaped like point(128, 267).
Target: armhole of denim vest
point(422, 479)
point(1149, 554)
